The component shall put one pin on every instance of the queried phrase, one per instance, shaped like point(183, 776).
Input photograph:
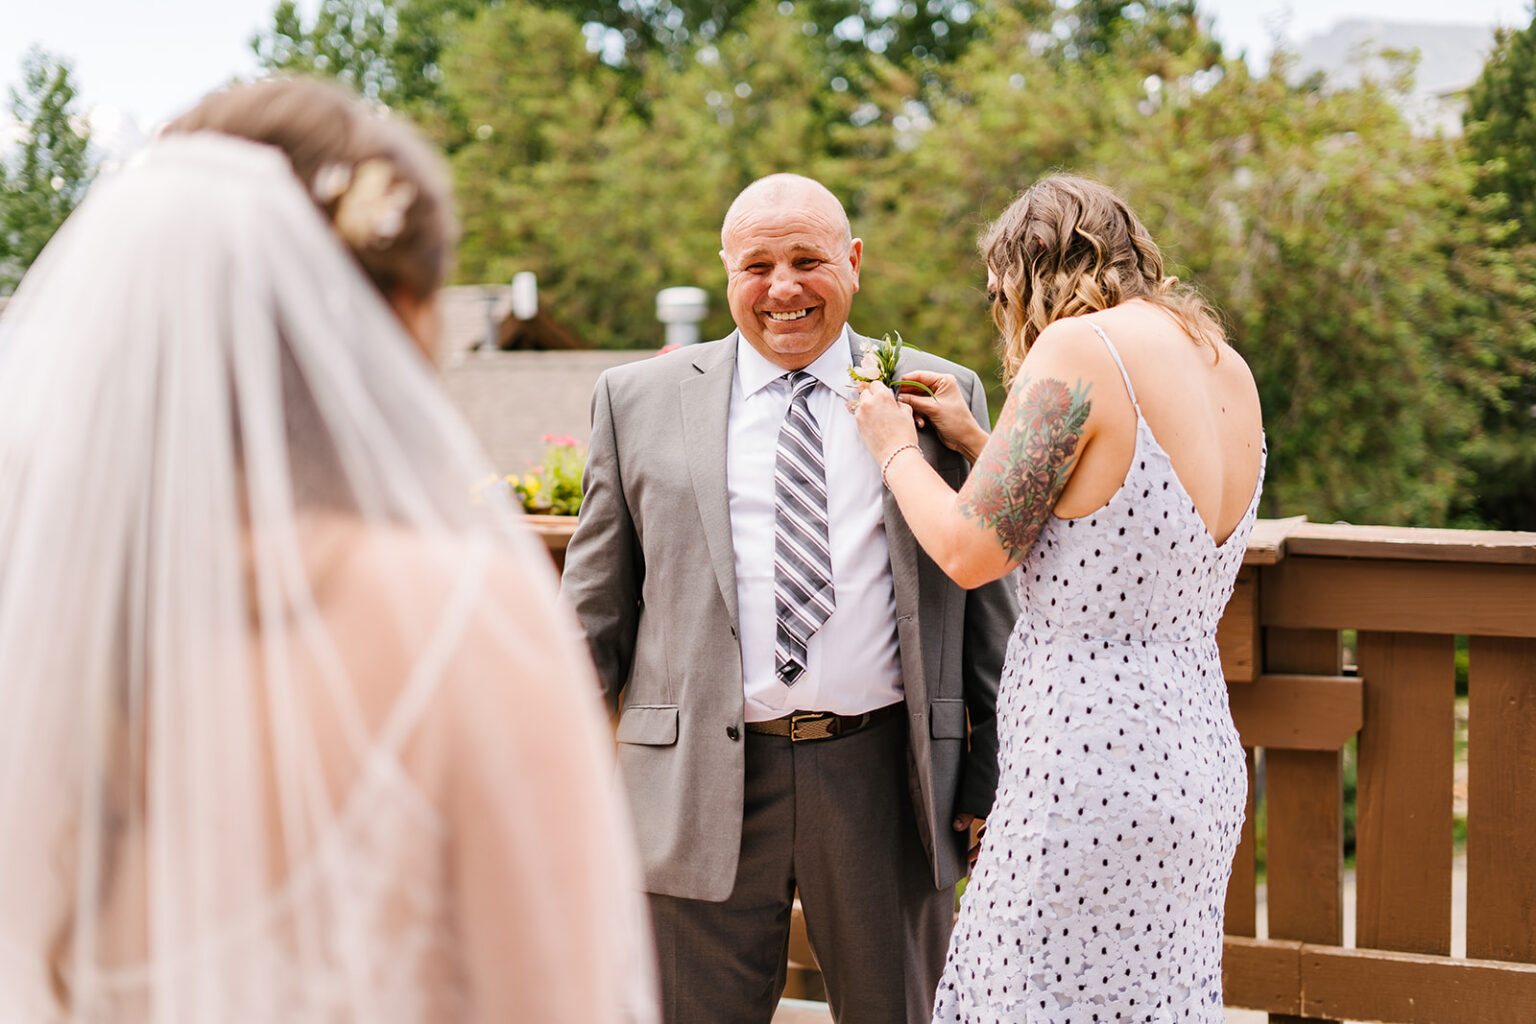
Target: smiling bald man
point(805, 701)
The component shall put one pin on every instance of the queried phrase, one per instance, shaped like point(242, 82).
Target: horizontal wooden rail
point(1296, 712)
point(1312, 592)
point(1332, 982)
point(1273, 540)
point(1342, 540)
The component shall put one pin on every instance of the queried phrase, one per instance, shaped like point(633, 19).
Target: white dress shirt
point(853, 663)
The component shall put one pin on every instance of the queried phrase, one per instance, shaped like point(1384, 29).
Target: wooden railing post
point(1304, 795)
point(1403, 834)
point(1242, 910)
point(1501, 798)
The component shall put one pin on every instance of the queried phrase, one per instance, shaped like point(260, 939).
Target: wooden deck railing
point(1406, 594)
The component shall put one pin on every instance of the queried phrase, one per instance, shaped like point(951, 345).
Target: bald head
point(791, 265)
point(785, 191)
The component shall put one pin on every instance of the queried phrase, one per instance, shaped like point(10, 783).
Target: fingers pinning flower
point(879, 363)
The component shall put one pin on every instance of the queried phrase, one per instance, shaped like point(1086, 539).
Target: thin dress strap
point(1123, 375)
point(439, 651)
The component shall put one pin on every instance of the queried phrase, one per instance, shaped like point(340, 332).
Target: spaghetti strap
point(1123, 375)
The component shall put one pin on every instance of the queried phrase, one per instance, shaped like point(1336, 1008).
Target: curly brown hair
point(1068, 246)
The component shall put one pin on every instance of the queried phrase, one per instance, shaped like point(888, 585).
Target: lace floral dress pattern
point(388, 952)
point(1099, 893)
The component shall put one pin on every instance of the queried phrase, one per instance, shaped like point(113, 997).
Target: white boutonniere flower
point(879, 363)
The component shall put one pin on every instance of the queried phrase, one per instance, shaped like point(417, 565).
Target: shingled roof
point(536, 381)
point(513, 399)
point(472, 313)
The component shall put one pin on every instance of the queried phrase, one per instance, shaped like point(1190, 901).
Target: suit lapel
point(897, 535)
point(905, 574)
point(903, 545)
point(706, 405)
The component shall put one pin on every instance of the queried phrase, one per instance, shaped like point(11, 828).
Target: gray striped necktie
point(803, 598)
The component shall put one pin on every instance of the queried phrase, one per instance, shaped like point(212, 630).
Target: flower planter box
point(555, 532)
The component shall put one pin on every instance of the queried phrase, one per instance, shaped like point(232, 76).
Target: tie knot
point(800, 383)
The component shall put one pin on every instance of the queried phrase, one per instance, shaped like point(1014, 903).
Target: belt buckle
point(811, 718)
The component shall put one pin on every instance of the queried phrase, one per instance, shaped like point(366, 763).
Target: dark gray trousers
point(833, 818)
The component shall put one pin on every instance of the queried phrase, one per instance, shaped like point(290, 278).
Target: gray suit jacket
point(651, 574)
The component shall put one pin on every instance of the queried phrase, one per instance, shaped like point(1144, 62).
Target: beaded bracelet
point(892, 456)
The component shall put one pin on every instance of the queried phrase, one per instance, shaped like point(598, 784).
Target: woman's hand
point(948, 411)
point(885, 424)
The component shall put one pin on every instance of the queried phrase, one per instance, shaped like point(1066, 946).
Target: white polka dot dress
point(1099, 892)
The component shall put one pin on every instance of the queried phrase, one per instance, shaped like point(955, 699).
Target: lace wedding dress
point(1099, 893)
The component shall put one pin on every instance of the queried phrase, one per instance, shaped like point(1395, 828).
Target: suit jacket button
point(733, 732)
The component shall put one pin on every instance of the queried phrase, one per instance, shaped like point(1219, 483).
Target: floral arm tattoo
point(1016, 483)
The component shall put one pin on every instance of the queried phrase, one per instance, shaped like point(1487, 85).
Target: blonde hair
point(1068, 246)
point(374, 179)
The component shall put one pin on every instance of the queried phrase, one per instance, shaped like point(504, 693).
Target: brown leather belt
point(822, 725)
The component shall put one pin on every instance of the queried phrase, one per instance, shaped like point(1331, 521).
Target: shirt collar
point(831, 367)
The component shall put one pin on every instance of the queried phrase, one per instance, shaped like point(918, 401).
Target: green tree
point(563, 177)
point(1337, 244)
point(633, 33)
point(392, 51)
point(1374, 289)
point(1043, 88)
point(1156, 37)
point(46, 177)
point(537, 106)
point(1320, 226)
point(1500, 123)
point(352, 40)
point(1356, 278)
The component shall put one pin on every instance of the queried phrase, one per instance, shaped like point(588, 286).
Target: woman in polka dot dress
point(1122, 481)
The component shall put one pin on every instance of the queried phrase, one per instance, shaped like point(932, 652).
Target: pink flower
point(561, 440)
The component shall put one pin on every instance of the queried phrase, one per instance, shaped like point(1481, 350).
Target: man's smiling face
point(791, 273)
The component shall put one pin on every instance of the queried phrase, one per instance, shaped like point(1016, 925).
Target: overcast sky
point(145, 61)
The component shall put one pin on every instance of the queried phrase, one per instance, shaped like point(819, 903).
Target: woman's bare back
point(1202, 409)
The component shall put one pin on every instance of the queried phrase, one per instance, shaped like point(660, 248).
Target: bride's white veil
point(283, 700)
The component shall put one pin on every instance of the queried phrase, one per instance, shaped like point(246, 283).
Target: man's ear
point(855, 257)
point(725, 262)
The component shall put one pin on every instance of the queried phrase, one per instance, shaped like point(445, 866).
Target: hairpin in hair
point(370, 203)
point(330, 182)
